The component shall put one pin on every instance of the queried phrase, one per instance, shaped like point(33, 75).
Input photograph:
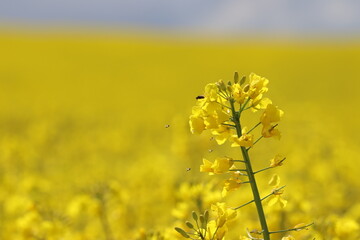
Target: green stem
point(199, 232)
point(236, 208)
point(254, 127)
point(217, 228)
point(238, 161)
point(104, 220)
point(262, 170)
point(257, 140)
point(230, 125)
point(240, 170)
point(243, 106)
point(292, 229)
point(250, 173)
point(272, 193)
point(262, 199)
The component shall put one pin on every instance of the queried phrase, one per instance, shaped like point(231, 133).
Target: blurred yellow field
point(95, 140)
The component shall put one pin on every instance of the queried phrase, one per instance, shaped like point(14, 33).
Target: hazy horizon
point(204, 16)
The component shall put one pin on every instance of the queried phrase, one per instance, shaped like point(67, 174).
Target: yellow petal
point(274, 181)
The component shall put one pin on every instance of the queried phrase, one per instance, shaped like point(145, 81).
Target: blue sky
point(208, 16)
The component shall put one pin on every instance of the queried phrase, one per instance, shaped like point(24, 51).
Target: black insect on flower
point(200, 97)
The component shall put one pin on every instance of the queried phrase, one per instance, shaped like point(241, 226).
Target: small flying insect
point(167, 125)
point(188, 169)
point(200, 97)
point(210, 150)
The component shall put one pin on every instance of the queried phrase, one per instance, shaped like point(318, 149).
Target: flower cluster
point(213, 110)
point(219, 110)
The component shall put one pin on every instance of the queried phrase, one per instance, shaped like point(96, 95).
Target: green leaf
point(182, 232)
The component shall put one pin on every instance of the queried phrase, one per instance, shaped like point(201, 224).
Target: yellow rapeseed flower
point(238, 93)
point(207, 167)
point(271, 115)
point(220, 165)
point(276, 196)
point(246, 140)
point(274, 181)
point(270, 131)
point(213, 229)
point(223, 213)
point(277, 161)
point(211, 92)
point(197, 125)
point(277, 199)
point(257, 85)
point(232, 183)
point(260, 103)
point(211, 122)
point(222, 133)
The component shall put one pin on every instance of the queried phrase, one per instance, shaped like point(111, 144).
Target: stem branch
point(292, 229)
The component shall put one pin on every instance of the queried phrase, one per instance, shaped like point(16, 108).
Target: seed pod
point(195, 216)
point(246, 88)
point(202, 221)
point(182, 232)
point(236, 77)
point(242, 81)
point(229, 88)
point(206, 215)
point(221, 85)
point(189, 224)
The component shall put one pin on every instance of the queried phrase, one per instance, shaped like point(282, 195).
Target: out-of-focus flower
point(346, 227)
point(83, 205)
point(289, 237)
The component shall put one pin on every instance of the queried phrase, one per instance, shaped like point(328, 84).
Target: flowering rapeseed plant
point(220, 110)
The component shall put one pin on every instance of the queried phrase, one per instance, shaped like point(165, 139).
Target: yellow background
point(77, 110)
